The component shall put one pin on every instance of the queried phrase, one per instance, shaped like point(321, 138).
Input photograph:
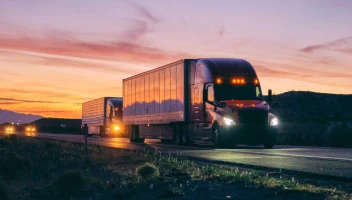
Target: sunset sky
point(54, 55)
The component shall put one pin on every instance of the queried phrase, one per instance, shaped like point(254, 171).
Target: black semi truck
point(216, 100)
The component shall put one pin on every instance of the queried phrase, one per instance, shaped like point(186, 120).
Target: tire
point(184, 136)
point(217, 137)
point(165, 141)
point(271, 140)
point(177, 136)
point(132, 134)
point(268, 145)
point(137, 139)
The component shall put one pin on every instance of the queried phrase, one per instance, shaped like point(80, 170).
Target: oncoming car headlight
point(229, 121)
point(274, 122)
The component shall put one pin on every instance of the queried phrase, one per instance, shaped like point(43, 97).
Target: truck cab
point(113, 117)
point(228, 107)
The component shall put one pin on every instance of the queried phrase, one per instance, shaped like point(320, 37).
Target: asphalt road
point(336, 162)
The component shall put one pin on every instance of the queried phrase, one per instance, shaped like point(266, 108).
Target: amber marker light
point(218, 81)
point(256, 81)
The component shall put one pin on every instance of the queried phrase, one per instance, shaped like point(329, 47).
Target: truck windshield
point(236, 92)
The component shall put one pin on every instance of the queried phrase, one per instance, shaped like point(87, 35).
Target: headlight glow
point(229, 121)
point(117, 128)
point(274, 122)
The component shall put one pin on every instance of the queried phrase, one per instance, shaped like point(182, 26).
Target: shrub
point(3, 192)
point(70, 183)
point(12, 165)
point(3, 142)
point(13, 137)
point(148, 171)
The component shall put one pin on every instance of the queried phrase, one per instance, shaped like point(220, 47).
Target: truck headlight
point(274, 122)
point(229, 121)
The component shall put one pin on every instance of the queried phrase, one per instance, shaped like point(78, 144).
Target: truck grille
point(252, 116)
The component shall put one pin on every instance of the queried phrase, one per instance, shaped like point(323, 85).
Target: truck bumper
point(250, 134)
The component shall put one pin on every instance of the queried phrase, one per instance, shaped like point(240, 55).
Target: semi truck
point(103, 116)
point(216, 100)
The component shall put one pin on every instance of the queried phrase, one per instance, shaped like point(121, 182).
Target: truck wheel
point(177, 136)
point(271, 139)
point(268, 145)
point(217, 137)
point(136, 137)
point(184, 136)
point(185, 139)
point(132, 134)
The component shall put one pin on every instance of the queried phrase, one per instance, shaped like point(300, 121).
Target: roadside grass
point(125, 171)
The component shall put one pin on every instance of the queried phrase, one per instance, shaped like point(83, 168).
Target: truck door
point(208, 111)
point(198, 112)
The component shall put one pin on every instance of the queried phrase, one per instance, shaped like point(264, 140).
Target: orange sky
point(54, 58)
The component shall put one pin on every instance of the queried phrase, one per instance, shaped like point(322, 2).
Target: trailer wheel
point(185, 137)
point(132, 134)
point(135, 135)
point(217, 137)
point(177, 136)
point(268, 145)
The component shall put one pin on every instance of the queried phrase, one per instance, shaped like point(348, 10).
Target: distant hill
point(58, 125)
point(309, 118)
point(7, 116)
point(319, 107)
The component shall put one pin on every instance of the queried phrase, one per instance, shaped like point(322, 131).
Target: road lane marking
point(81, 137)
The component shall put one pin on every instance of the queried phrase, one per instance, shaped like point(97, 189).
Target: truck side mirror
point(270, 98)
point(223, 104)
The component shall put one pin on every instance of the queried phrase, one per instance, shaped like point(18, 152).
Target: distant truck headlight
point(116, 128)
point(274, 122)
point(229, 121)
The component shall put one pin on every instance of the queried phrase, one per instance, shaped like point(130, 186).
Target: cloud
point(139, 29)
point(12, 100)
point(108, 51)
point(288, 71)
point(144, 12)
point(343, 45)
point(221, 31)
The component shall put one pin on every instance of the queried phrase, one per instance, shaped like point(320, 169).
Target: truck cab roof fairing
point(222, 66)
point(115, 101)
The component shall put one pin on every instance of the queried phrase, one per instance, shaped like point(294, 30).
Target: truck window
point(259, 94)
point(111, 113)
point(237, 92)
point(210, 93)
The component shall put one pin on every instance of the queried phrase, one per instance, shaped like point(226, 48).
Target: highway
point(334, 162)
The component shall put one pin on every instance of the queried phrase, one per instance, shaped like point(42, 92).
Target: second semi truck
point(103, 116)
point(216, 100)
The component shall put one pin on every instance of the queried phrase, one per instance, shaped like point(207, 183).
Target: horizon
point(56, 55)
point(79, 117)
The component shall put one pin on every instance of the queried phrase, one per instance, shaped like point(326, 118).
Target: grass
point(3, 192)
point(132, 173)
point(70, 183)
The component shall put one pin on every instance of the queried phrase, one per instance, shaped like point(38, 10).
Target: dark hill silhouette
point(309, 118)
point(57, 125)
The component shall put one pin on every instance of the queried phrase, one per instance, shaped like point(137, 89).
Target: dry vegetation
point(42, 169)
